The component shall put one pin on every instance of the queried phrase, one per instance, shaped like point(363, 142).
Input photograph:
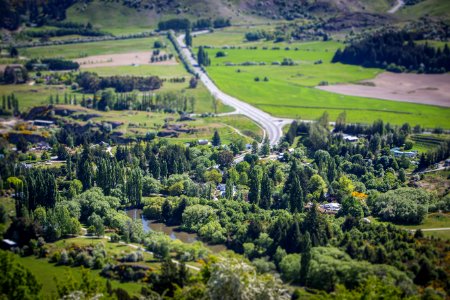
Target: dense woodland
point(269, 212)
point(396, 52)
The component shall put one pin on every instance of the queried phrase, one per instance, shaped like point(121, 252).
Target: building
point(43, 123)
point(203, 142)
point(331, 208)
point(398, 153)
point(350, 138)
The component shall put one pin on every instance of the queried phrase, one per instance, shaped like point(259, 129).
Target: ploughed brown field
point(432, 89)
point(122, 59)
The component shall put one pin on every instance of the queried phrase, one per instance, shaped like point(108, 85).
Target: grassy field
point(290, 92)
point(439, 8)
point(34, 95)
point(46, 273)
point(163, 71)
point(243, 124)
point(139, 123)
point(435, 220)
point(426, 142)
point(71, 51)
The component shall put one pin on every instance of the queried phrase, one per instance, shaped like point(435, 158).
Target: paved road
point(433, 229)
point(271, 125)
point(397, 6)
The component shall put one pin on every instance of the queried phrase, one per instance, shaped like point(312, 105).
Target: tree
point(266, 192)
point(265, 149)
point(255, 186)
point(13, 52)
point(193, 84)
point(202, 57)
point(22, 144)
point(351, 207)
point(295, 195)
point(235, 279)
point(305, 259)
point(317, 187)
point(97, 223)
point(188, 37)
point(216, 139)
point(16, 281)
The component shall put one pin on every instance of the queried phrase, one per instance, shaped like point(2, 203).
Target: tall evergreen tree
point(305, 259)
point(188, 37)
point(216, 139)
point(266, 192)
point(255, 187)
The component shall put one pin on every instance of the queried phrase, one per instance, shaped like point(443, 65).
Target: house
point(203, 142)
point(350, 138)
point(331, 208)
point(447, 162)
point(398, 153)
point(222, 188)
point(43, 123)
point(8, 244)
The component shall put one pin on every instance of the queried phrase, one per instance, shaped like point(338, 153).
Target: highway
point(271, 125)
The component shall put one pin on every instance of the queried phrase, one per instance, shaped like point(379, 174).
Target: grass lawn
point(46, 273)
point(35, 95)
point(71, 51)
point(434, 220)
point(439, 8)
point(243, 124)
point(289, 91)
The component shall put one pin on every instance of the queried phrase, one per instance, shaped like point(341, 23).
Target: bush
point(403, 206)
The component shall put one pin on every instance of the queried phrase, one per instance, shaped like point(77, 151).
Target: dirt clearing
point(432, 89)
point(124, 59)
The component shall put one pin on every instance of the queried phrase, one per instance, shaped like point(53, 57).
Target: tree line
point(396, 51)
point(91, 83)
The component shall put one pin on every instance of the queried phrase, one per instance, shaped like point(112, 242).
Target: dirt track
point(432, 89)
point(123, 59)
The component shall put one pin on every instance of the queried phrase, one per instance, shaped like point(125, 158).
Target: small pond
point(172, 231)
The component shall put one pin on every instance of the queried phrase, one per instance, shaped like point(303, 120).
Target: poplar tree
point(266, 192)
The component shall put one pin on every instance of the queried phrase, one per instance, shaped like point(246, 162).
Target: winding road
point(271, 125)
point(397, 6)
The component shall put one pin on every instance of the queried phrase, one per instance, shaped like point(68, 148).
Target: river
point(172, 231)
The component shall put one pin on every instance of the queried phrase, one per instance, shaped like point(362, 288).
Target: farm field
point(139, 123)
point(429, 89)
point(122, 59)
point(71, 51)
point(293, 86)
point(35, 95)
point(163, 71)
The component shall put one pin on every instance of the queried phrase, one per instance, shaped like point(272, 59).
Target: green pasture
point(438, 8)
point(35, 95)
point(289, 91)
point(139, 123)
point(71, 51)
point(243, 124)
point(163, 71)
point(433, 221)
point(46, 273)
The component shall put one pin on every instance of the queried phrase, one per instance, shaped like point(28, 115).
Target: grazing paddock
point(289, 91)
point(72, 51)
point(433, 89)
point(122, 59)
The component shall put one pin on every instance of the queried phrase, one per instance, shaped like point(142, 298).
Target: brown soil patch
point(123, 59)
point(432, 89)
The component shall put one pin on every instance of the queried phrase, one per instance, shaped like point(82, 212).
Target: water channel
point(172, 231)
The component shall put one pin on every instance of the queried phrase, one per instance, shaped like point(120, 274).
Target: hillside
point(116, 15)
